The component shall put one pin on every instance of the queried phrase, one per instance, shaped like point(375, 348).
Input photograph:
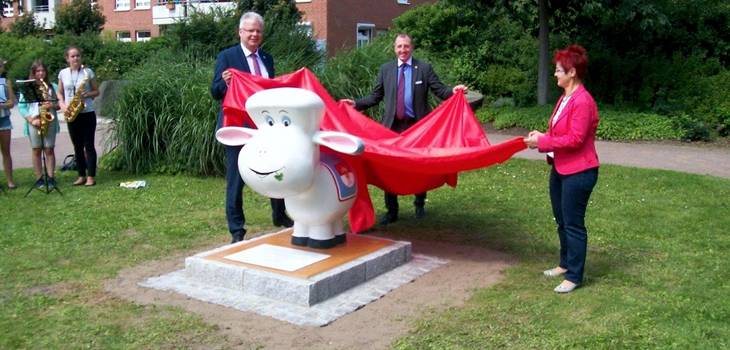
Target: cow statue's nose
point(262, 152)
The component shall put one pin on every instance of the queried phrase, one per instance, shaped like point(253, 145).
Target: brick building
point(335, 24)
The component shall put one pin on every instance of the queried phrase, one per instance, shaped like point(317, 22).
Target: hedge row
point(614, 125)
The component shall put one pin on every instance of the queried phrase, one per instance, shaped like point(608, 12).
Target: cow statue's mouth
point(278, 174)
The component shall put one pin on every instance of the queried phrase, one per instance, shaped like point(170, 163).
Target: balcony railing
point(181, 2)
point(41, 8)
point(169, 11)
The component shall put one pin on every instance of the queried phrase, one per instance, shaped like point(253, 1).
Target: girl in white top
point(82, 130)
point(7, 101)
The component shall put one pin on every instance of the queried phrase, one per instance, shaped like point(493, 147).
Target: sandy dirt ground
point(375, 326)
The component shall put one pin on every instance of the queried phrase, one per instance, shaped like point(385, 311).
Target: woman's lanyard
point(74, 81)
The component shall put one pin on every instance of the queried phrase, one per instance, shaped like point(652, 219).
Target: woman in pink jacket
point(570, 147)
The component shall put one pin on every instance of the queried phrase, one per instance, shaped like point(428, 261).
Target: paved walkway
point(687, 158)
point(690, 158)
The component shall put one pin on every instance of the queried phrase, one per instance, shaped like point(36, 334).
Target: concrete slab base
point(308, 300)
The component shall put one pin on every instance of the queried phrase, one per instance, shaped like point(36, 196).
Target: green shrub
point(485, 47)
point(109, 59)
point(352, 73)
point(614, 124)
point(13, 48)
point(712, 102)
point(620, 125)
point(532, 118)
point(77, 17)
point(27, 26)
point(209, 33)
point(164, 119)
point(114, 58)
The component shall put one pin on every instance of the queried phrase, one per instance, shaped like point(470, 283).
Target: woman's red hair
point(573, 56)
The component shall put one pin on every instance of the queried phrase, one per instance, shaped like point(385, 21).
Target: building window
point(124, 37)
point(41, 6)
point(93, 3)
point(8, 10)
point(303, 1)
point(364, 33)
point(404, 2)
point(306, 27)
point(144, 36)
point(121, 5)
point(142, 4)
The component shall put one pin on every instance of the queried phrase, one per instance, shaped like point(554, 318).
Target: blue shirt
point(409, 93)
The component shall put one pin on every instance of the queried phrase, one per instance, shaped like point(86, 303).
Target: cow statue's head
point(279, 158)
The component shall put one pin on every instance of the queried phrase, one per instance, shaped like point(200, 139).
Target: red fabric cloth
point(426, 156)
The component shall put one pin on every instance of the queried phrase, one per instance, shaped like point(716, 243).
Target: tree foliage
point(78, 17)
point(209, 33)
point(26, 26)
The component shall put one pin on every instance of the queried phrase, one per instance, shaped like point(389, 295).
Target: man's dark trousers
point(234, 196)
point(391, 200)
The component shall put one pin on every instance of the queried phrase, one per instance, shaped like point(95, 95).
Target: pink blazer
point(572, 138)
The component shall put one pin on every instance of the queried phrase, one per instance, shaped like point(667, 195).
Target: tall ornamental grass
point(165, 118)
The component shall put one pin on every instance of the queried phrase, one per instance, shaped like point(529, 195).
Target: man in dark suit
point(405, 104)
point(246, 57)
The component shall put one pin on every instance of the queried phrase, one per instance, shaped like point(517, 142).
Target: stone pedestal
point(306, 286)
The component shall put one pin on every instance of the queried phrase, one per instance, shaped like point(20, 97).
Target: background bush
point(209, 33)
point(166, 124)
point(614, 124)
point(77, 17)
point(27, 26)
point(665, 58)
point(109, 58)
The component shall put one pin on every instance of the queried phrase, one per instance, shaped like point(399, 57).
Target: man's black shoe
point(284, 221)
point(420, 212)
point(237, 237)
point(388, 218)
point(39, 183)
point(51, 182)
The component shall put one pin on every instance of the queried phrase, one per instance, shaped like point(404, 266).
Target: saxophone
point(45, 116)
point(76, 105)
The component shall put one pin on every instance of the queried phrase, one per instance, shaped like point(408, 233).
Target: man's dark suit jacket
point(423, 79)
point(233, 57)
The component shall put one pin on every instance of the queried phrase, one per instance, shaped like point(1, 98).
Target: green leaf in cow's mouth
point(279, 176)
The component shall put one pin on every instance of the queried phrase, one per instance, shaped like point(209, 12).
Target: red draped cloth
point(426, 156)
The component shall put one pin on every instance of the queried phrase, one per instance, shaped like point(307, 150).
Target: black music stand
point(31, 90)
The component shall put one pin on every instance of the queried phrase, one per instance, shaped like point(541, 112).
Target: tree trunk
point(543, 55)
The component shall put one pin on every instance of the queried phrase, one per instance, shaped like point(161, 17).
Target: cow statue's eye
point(286, 121)
point(270, 120)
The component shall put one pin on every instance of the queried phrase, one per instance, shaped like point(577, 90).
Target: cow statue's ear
point(340, 142)
point(234, 136)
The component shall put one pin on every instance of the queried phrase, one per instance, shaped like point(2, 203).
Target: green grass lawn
point(657, 270)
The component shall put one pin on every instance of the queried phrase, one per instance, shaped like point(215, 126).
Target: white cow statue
point(281, 159)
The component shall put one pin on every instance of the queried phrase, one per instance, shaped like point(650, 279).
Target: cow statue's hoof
point(300, 241)
point(321, 243)
point(318, 243)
